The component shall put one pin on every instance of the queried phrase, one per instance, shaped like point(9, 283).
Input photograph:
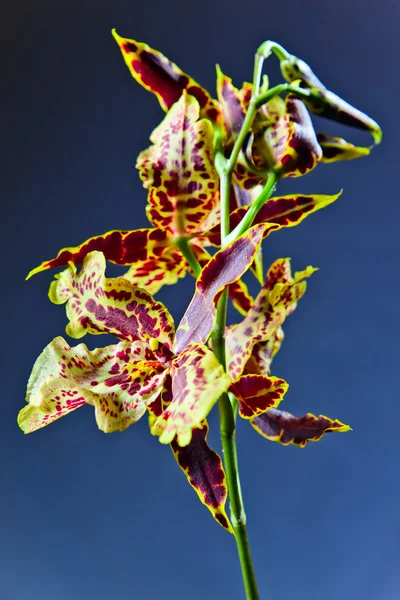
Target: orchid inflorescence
point(210, 173)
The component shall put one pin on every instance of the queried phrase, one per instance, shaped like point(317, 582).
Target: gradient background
point(85, 516)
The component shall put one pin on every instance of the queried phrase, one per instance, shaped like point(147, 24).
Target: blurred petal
point(198, 380)
point(279, 426)
point(325, 103)
point(232, 109)
point(119, 247)
point(178, 170)
point(119, 381)
point(241, 299)
point(335, 149)
point(227, 266)
point(257, 394)
point(96, 304)
point(295, 68)
point(159, 75)
point(205, 472)
point(329, 105)
point(261, 357)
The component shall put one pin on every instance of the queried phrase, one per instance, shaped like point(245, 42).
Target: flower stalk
point(205, 154)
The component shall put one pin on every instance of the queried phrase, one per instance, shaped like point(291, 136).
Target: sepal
point(280, 426)
point(166, 80)
point(325, 103)
point(335, 149)
point(286, 211)
point(205, 473)
point(119, 247)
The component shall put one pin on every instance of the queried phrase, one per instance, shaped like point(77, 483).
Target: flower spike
point(178, 170)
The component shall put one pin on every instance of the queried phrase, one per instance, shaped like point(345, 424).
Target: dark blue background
point(85, 516)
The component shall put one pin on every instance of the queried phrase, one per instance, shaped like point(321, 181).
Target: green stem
point(238, 515)
point(269, 46)
point(227, 413)
point(281, 89)
point(253, 209)
point(227, 408)
point(184, 246)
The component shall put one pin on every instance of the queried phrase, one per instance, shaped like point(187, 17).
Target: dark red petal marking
point(205, 473)
point(285, 428)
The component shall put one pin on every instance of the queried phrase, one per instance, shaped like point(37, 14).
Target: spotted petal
point(276, 300)
point(257, 394)
point(159, 75)
point(283, 427)
point(335, 149)
point(227, 266)
point(119, 247)
point(198, 380)
point(286, 141)
point(119, 381)
point(287, 211)
point(178, 170)
point(96, 304)
point(205, 472)
point(153, 273)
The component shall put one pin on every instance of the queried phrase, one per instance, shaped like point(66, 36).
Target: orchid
point(210, 174)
